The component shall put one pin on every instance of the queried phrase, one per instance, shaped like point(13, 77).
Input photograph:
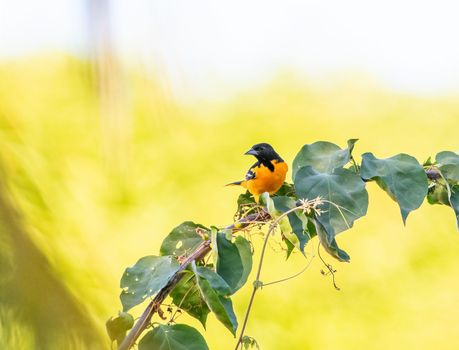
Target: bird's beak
point(252, 152)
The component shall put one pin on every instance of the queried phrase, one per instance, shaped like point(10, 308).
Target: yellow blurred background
point(99, 160)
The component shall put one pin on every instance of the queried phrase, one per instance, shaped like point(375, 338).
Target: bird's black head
point(264, 152)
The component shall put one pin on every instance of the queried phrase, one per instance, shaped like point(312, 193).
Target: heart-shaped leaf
point(146, 278)
point(401, 176)
point(186, 296)
point(220, 305)
point(343, 192)
point(448, 163)
point(184, 238)
point(175, 337)
point(322, 156)
point(234, 261)
point(118, 326)
point(215, 281)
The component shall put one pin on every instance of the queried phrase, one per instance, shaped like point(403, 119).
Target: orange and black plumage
point(267, 174)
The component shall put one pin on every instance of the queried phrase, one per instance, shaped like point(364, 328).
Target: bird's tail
point(237, 183)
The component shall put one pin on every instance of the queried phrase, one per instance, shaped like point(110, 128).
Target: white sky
point(407, 45)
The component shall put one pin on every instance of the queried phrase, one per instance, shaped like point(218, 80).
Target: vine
point(200, 268)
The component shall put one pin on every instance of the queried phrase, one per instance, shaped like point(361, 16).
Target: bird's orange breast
point(266, 180)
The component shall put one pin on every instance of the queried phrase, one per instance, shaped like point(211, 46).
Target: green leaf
point(234, 261)
point(290, 247)
point(187, 296)
point(214, 246)
point(401, 176)
point(428, 162)
point(184, 238)
point(454, 201)
point(245, 198)
point(146, 278)
point(215, 281)
point(228, 305)
point(249, 343)
point(448, 163)
point(218, 304)
point(447, 186)
point(311, 229)
point(298, 220)
point(118, 326)
point(175, 337)
point(343, 188)
point(323, 156)
point(330, 245)
point(438, 194)
point(286, 190)
point(284, 223)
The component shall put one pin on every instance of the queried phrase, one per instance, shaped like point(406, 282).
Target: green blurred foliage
point(73, 215)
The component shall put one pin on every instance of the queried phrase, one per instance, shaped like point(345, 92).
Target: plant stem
point(356, 167)
point(246, 318)
point(257, 284)
point(290, 277)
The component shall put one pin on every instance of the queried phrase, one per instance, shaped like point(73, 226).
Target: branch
point(200, 252)
point(153, 306)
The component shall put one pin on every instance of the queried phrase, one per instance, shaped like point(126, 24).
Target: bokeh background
point(119, 120)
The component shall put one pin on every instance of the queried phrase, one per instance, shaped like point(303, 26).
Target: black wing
point(251, 172)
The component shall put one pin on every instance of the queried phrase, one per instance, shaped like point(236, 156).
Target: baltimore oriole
point(267, 174)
